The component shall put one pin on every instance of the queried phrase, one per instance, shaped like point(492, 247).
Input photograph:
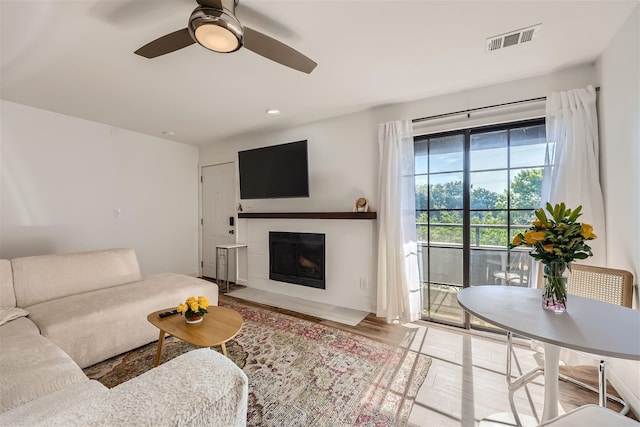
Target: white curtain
point(572, 175)
point(398, 296)
point(572, 172)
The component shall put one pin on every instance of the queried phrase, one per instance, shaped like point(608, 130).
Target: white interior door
point(218, 217)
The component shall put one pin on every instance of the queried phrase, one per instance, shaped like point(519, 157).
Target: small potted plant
point(194, 309)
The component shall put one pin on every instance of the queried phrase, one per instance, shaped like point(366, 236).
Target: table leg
point(224, 349)
point(602, 385)
point(227, 270)
point(218, 268)
point(159, 351)
point(551, 362)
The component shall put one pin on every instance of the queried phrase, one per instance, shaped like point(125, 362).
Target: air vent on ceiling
point(513, 38)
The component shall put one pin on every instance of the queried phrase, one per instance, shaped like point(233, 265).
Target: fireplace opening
point(297, 258)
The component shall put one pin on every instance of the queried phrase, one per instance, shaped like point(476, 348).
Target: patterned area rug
point(302, 373)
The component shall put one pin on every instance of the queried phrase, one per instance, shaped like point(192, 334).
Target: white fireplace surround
point(349, 259)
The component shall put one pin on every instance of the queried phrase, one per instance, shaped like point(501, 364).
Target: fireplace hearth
point(297, 258)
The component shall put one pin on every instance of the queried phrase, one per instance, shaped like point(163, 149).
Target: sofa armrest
point(198, 388)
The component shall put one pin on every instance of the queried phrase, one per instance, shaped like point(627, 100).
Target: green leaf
point(550, 208)
point(575, 214)
point(541, 215)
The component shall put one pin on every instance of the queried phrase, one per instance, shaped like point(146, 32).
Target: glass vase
point(554, 297)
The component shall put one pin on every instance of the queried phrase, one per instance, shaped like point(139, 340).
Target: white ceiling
point(76, 58)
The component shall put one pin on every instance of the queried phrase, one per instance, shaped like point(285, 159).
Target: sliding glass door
point(475, 189)
point(439, 181)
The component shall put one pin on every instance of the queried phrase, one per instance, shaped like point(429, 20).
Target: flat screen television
point(274, 172)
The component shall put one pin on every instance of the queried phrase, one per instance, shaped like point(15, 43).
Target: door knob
point(231, 232)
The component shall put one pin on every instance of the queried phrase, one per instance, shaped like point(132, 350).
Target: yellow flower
point(182, 308)
point(586, 230)
point(548, 248)
point(194, 306)
point(557, 237)
point(191, 299)
point(203, 301)
point(533, 237)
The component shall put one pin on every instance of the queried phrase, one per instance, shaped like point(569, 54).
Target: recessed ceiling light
point(273, 112)
point(168, 132)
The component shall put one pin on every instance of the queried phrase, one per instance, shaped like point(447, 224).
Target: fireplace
point(297, 258)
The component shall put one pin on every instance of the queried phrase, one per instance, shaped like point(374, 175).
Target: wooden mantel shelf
point(309, 215)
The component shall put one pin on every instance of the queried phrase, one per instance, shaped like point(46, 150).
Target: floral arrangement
point(558, 238)
point(557, 241)
point(194, 307)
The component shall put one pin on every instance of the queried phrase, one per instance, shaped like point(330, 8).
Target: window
point(475, 189)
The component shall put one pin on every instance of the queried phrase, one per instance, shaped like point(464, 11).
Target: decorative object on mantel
point(361, 205)
point(194, 309)
point(556, 243)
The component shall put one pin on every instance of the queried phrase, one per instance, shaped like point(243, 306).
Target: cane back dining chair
point(601, 283)
point(604, 284)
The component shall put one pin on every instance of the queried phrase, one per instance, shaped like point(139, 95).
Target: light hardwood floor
point(466, 381)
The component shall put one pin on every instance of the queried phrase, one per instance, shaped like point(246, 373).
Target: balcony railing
point(489, 264)
point(475, 231)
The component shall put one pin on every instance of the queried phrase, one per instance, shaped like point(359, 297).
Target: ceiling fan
point(213, 25)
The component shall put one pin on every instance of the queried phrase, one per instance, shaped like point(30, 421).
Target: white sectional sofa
point(73, 310)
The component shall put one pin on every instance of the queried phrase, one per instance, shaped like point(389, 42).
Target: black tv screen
point(274, 172)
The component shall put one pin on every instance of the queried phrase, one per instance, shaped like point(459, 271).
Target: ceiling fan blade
point(277, 51)
point(166, 44)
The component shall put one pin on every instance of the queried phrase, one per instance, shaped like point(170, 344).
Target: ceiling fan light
point(217, 38)
point(216, 29)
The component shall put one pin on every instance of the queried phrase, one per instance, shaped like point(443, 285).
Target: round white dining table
point(588, 325)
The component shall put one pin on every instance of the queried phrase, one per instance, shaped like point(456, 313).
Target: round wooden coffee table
point(218, 326)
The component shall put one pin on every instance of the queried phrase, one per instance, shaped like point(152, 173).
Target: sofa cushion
point(43, 278)
point(7, 296)
point(97, 325)
point(32, 366)
point(199, 388)
point(8, 314)
point(19, 326)
point(41, 410)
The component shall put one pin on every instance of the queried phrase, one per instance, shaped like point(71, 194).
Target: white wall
point(62, 178)
point(343, 165)
point(619, 116)
point(343, 162)
point(619, 119)
point(534, 87)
